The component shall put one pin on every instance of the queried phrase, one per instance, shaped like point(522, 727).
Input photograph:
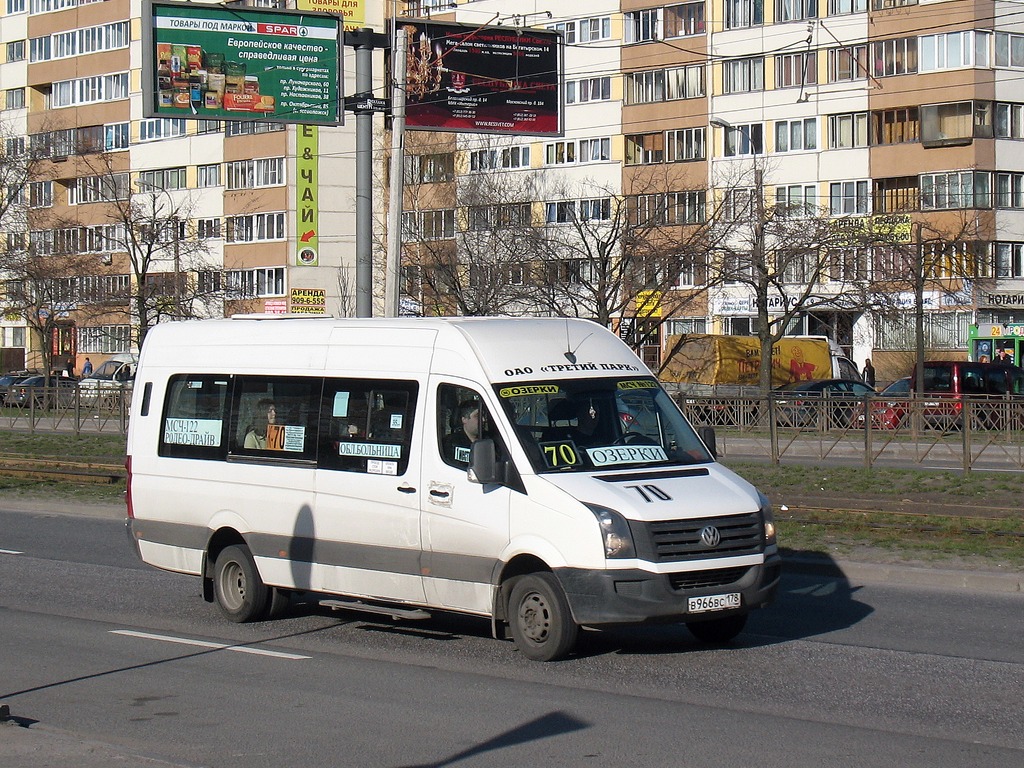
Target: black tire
point(241, 594)
point(540, 619)
point(718, 631)
point(280, 602)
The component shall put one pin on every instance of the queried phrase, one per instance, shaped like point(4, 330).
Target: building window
point(15, 6)
point(848, 198)
point(685, 144)
point(509, 158)
point(430, 225)
point(162, 128)
point(848, 130)
point(665, 84)
point(897, 194)
point(77, 42)
point(684, 20)
point(428, 169)
point(1009, 121)
point(956, 189)
point(743, 75)
point(744, 140)
point(561, 212)
point(14, 98)
point(1009, 50)
point(795, 70)
point(40, 194)
point(894, 57)
point(895, 126)
point(955, 124)
point(685, 207)
point(487, 217)
point(250, 127)
point(743, 13)
point(104, 339)
point(795, 10)
point(843, 7)
point(881, 5)
point(588, 89)
point(253, 174)
point(209, 175)
point(1009, 259)
point(796, 135)
point(645, 148)
point(643, 26)
point(98, 189)
point(89, 90)
point(16, 50)
point(798, 201)
point(207, 126)
point(164, 178)
point(846, 264)
point(847, 63)
point(585, 30)
point(115, 136)
point(258, 227)
point(596, 209)
point(595, 150)
point(255, 283)
point(954, 50)
point(560, 153)
point(1009, 190)
point(208, 229)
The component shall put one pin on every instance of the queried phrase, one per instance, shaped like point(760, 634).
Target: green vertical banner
point(307, 206)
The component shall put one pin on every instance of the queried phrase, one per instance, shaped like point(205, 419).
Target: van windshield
point(589, 424)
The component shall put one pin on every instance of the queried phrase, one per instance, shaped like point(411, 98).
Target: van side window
point(194, 417)
point(366, 425)
point(275, 416)
point(462, 419)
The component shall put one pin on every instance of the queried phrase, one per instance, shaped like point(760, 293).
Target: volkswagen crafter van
point(530, 471)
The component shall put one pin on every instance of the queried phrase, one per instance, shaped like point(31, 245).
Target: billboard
point(461, 77)
point(210, 62)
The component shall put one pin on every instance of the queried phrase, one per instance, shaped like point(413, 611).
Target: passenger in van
point(456, 444)
point(256, 434)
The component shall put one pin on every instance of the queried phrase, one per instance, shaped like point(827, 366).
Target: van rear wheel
point(241, 594)
point(540, 619)
point(718, 631)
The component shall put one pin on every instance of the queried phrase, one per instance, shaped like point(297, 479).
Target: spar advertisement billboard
point(461, 77)
point(210, 62)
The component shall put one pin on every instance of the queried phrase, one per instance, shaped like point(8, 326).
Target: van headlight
point(769, 519)
point(615, 533)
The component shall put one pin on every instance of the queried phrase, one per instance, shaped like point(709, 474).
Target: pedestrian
point(87, 367)
point(869, 373)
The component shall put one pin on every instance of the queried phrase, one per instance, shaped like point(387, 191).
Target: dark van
point(951, 380)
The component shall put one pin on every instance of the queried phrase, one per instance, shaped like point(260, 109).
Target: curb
point(905, 575)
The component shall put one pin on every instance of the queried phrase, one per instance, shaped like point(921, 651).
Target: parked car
point(890, 408)
point(805, 403)
point(8, 380)
point(948, 382)
point(45, 391)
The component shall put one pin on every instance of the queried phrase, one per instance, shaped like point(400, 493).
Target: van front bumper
point(636, 597)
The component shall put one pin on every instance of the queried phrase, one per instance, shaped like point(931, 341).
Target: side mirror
point(707, 434)
point(483, 463)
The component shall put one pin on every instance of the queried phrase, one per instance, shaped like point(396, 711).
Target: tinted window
point(366, 425)
point(275, 416)
point(195, 417)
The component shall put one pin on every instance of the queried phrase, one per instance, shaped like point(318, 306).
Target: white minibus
point(530, 471)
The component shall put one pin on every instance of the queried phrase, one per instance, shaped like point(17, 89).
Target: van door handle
point(406, 489)
point(439, 494)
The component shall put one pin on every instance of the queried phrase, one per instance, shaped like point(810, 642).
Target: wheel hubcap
point(534, 618)
point(233, 581)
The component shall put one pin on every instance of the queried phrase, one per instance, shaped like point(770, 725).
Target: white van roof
point(506, 349)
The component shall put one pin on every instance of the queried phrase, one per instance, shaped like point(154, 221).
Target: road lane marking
point(205, 644)
point(10, 552)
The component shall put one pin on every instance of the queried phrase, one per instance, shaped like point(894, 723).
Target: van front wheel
point(241, 594)
point(540, 619)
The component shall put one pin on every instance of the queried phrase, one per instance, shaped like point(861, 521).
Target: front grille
point(705, 579)
point(672, 541)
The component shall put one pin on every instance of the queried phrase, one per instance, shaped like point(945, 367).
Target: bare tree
point(172, 275)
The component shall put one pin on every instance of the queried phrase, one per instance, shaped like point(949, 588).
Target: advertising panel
point(482, 79)
point(353, 11)
point(214, 63)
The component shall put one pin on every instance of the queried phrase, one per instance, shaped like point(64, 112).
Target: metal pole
point(394, 262)
point(364, 181)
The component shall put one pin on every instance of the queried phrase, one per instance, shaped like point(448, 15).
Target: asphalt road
point(105, 661)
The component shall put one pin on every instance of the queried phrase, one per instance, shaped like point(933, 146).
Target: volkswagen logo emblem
point(710, 536)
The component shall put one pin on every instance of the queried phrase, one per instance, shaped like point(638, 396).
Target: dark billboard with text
point(482, 79)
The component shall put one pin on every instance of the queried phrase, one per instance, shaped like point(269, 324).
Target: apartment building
point(902, 117)
point(237, 202)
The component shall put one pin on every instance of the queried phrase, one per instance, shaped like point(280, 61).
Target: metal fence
point(985, 433)
point(66, 409)
point(957, 433)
